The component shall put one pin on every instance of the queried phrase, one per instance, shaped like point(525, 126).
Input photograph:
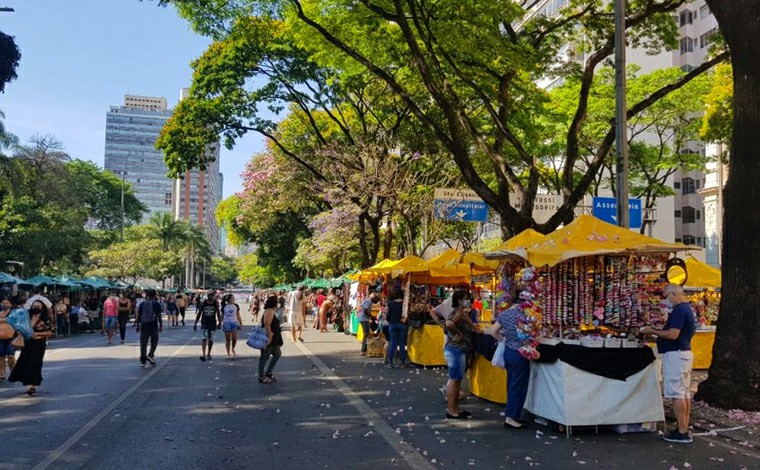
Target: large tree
point(9, 59)
point(468, 73)
point(734, 378)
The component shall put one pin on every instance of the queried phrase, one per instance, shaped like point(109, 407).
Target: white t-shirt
point(230, 313)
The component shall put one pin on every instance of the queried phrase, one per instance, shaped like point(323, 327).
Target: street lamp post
point(621, 119)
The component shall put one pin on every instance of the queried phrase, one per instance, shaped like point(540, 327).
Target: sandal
point(462, 415)
point(265, 380)
point(270, 377)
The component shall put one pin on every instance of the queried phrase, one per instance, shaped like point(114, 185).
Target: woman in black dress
point(28, 369)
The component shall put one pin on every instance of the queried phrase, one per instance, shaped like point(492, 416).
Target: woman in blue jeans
point(518, 368)
point(397, 327)
point(458, 350)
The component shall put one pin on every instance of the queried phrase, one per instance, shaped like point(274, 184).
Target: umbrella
point(41, 280)
point(8, 279)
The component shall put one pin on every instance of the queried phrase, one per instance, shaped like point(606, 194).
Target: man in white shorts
point(295, 309)
point(674, 346)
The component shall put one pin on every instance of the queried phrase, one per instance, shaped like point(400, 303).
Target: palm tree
point(7, 140)
point(163, 226)
point(196, 248)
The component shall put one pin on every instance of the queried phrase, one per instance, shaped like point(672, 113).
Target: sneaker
point(389, 366)
point(143, 365)
point(122, 341)
point(202, 358)
point(152, 361)
point(678, 438)
point(208, 358)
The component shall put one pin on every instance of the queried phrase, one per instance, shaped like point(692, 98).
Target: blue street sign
point(462, 211)
point(605, 208)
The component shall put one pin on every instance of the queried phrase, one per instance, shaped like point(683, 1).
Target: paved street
point(330, 408)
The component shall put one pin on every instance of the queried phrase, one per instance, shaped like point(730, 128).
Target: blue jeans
point(398, 340)
point(518, 377)
point(456, 360)
point(365, 331)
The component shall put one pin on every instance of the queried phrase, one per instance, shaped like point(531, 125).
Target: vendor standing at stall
point(674, 345)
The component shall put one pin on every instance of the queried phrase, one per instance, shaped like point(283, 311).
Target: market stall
point(702, 284)
point(595, 285)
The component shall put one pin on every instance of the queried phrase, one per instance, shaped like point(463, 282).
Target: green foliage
point(717, 125)
point(224, 269)
point(131, 260)
point(101, 193)
point(659, 137)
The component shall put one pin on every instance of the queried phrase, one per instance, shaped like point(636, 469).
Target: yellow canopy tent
point(589, 236)
point(516, 245)
point(372, 272)
point(700, 274)
point(452, 264)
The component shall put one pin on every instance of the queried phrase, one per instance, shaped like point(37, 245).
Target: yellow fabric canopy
point(589, 236)
point(517, 245)
point(451, 263)
point(701, 274)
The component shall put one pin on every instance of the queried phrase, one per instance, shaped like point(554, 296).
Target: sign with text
point(605, 208)
point(544, 206)
point(462, 205)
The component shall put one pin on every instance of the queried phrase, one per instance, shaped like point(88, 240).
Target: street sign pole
point(621, 121)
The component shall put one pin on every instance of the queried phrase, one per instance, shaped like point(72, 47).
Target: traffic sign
point(605, 208)
point(461, 205)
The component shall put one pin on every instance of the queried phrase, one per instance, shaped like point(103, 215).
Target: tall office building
point(698, 211)
point(131, 133)
point(197, 194)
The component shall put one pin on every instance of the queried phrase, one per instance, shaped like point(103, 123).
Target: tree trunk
point(388, 238)
point(734, 377)
point(363, 240)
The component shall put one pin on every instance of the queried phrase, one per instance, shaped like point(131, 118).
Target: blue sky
point(81, 56)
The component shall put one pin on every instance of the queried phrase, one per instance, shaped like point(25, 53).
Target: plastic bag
point(258, 339)
point(498, 356)
point(19, 320)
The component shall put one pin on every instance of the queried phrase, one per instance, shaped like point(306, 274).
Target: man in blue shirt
point(674, 346)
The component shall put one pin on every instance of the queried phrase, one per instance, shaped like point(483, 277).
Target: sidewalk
point(409, 401)
point(742, 428)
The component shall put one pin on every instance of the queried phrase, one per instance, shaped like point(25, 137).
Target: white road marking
point(381, 427)
point(57, 453)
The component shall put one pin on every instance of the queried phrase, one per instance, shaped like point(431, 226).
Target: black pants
point(123, 320)
point(182, 314)
point(148, 331)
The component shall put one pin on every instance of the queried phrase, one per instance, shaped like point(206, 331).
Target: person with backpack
point(149, 325)
point(210, 316)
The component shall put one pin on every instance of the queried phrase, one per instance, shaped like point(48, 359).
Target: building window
point(699, 215)
point(688, 215)
point(688, 186)
point(676, 185)
point(687, 45)
point(689, 240)
point(704, 12)
point(677, 214)
point(686, 17)
point(678, 240)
